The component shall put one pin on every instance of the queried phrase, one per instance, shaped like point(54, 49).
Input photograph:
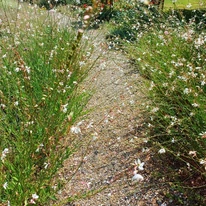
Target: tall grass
point(169, 51)
point(41, 67)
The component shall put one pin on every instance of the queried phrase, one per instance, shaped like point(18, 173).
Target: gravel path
point(112, 134)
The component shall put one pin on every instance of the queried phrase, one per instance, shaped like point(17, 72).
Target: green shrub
point(168, 50)
point(172, 60)
point(41, 68)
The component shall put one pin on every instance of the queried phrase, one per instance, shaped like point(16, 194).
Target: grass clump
point(168, 50)
point(41, 67)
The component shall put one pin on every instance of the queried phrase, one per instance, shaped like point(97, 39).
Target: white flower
point(4, 153)
point(35, 196)
point(86, 17)
point(16, 103)
point(155, 109)
point(203, 162)
point(189, 5)
point(17, 69)
point(75, 130)
point(28, 69)
point(46, 165)
point(64, 108)
point(5, 185)
point(81, 63)
point(186, 91)
point(138, 178)
point(139, 164)
point(203, 83)
point(161, 151)
point(193, 153)
point(3, 106)
point(195, 105)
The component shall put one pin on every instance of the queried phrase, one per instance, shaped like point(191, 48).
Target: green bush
point(172, 61)
point(168, 50)
point(41, 68)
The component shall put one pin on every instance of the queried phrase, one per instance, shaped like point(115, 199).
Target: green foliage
point(168, 50)
point(41, 68)
point(50, 4)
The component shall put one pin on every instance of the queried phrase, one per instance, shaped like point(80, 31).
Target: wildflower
point(195, 105)
point(75, 130)
point(137, 177)
point(203, 162)
point(188, 166)
point(199, 42)
point(192, 114)
point(193, 153)
point(90, 125)
point(5, 185)
point(81, 63)
point(34, 197)
point(155, 109)
point(17, 69)
point(203, 134)
point(166, 32)
point(64, 108)
point(189, 5)
point(39, 147)
point(3, 106)
point(162, 151)
point(139, 164)
point(94, 136)
point(86, 17)
point(4, 153)
point(46, 165)
point(186, 91)
point(16, 103)
point(203, 83)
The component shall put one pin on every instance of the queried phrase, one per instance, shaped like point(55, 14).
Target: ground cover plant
point(41, 67)
point(168, 50)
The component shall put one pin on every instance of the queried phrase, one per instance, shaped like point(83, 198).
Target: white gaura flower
point(162, 151)
point(137, 177)
point(4, 154)
point(189, 5)
point(203, 162)
point(5, 185)
point(86, 17)
point(16, 103)
point(75, 130)
point(193, 153)
point(139, 164)
point(195, 105)
point(35, 196)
